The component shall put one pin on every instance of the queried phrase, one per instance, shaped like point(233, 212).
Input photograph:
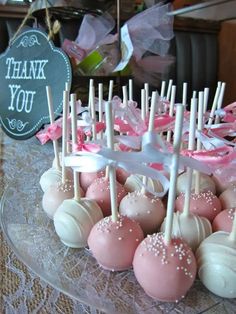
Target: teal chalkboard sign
point(30, 64)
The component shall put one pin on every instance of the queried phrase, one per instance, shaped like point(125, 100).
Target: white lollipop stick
point(143, 102)
point(194, 94)
point(150, 127)
point(184, 94)
point(110, 92)
point(169, 90)
point(199, 145)
point(131, 89)
point(146, 87)
point(68, 148)
point(220, 101)
point(152, 111)
point(112, 170)
point(64, 133)
point(213, 108)
point(171, 111)
point(93, 113)
point(191, 146)
point(206, 96)
point(174, 172)
point(51, 115)
point(163, 87)
point(100, 105)
point(125, 95)
point(77, 195)
point(232, 236)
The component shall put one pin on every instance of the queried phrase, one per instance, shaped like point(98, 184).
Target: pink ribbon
point(215, 157)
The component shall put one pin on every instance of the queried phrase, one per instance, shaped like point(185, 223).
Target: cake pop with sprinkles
point(224, 220)
point(165, 266)
point(146, 209)
point(202, 203)
point(114, 239)
point(54, 174)
point(191, 227)
point(56, 194)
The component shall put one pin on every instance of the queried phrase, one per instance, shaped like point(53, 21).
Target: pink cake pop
point(99, 191)
point(113, 243)
point(202, 203)
point(165, 272)
point(87, 178)
point(228, 198)
point(146, 209)
point(165, 266)
point(224, 220)
point(224, 177)
point(114, 239)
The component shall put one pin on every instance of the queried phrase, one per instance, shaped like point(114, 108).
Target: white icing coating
point(53, 176)
point(74, 220)
point(147, 210)
point(192, 228)
point(50, 177)
point(216, 259)
point(133, 184)
point(206, 183)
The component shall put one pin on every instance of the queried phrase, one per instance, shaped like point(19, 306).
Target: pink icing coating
point(204, 204)
point(87, 178)
point(121, 175)
point(147, 210)
point(99, 191)
point(224, 221)
point(228, 198)
point(165, 272)
point(113, 244)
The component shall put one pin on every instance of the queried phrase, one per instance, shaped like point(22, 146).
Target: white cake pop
point(75, 217)
point(134, 183)
point(147, 210)
point(192, 228)
point(53, 176)
point(216, 259)
point(74, 220)
point(206, 183)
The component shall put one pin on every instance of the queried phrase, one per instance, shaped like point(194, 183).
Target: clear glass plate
point(32, 237)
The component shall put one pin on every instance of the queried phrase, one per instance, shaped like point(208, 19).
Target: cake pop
point(192, 228)
point(216, 259)
point(228, 198)
point(224, 220)
point(165, 266)
point(99, 191)
point(224, 177)
point(202, 203)
point(206, 183)
point(75, 217)
point(114, 239)
point(52, 175)
point(56, 193)
point(166, 272)
point(147, 210)
point(134, 183)
point(87, 178)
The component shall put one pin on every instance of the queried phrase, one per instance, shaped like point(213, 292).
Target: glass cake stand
point(31, 235)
